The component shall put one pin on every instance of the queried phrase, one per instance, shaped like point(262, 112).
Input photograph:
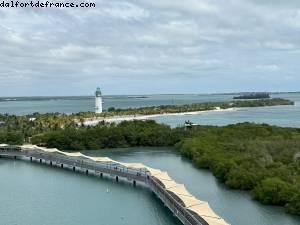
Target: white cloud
point(78, 53)
point(279, 45)
point(190, 6)
point(135, 40)
point(268, 68)
point(125, 11)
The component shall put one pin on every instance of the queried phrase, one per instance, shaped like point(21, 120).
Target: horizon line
point(141, 95)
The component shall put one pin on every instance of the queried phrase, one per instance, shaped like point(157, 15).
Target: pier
point(188, 209)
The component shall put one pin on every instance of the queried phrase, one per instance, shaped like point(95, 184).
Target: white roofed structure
point(178, 191)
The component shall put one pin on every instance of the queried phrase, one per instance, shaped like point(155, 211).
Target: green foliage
point(12, 138)
point(188, 107)
point(273, 191)
point(124, 134)
point(250, 157)
point(241, 178)
point(244, 156)
point(294, 204)
point(35, 124)
point(253, 96)
point(110, 109)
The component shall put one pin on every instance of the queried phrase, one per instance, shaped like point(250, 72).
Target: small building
point(189, 125)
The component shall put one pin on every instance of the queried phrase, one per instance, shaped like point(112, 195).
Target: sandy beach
point(95, 121)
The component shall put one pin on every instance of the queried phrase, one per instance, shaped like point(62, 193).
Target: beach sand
point(95, 121)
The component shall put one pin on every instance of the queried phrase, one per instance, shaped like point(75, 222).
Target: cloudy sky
point(156, 46)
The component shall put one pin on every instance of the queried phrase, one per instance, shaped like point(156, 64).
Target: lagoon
point(36, 194)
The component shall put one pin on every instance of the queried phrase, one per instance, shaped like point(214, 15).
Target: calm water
point(279, 115)
point(84, 104)
point(35, 194)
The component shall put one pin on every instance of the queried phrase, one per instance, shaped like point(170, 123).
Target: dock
point(188, 209)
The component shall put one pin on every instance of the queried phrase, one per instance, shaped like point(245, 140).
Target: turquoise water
point(32, 194)
point(84, 104)
point(36, 194)
point(279, 115)
point(288, 116)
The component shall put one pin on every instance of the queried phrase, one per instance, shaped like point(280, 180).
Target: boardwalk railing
point(109, 168)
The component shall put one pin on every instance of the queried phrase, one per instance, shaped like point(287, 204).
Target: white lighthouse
point(98, 101)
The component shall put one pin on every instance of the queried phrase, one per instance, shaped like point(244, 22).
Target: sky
point(151, 47)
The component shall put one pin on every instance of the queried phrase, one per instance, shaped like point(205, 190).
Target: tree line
point(258, 158)
point(255, 157)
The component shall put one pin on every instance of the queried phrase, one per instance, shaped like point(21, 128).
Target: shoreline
point(95, 121)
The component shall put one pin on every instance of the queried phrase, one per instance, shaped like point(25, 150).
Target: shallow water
point(288, 116)
point(32, 194)
point(35, 194)
point(84, 104)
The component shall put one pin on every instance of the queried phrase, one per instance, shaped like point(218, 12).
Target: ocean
point(288, 116)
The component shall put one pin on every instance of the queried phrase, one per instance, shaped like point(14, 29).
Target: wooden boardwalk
point(114, 171)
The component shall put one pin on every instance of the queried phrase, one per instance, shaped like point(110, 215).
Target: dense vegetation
point(17, 129)
point(124, 134)
point(189, 107)
point(253, 96)
point(259, 158)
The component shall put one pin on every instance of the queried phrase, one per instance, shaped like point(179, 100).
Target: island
point(185, 108)
point(259, 158)
point(260, 95)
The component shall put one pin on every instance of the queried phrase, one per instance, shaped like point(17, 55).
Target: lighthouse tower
point(98, 101)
